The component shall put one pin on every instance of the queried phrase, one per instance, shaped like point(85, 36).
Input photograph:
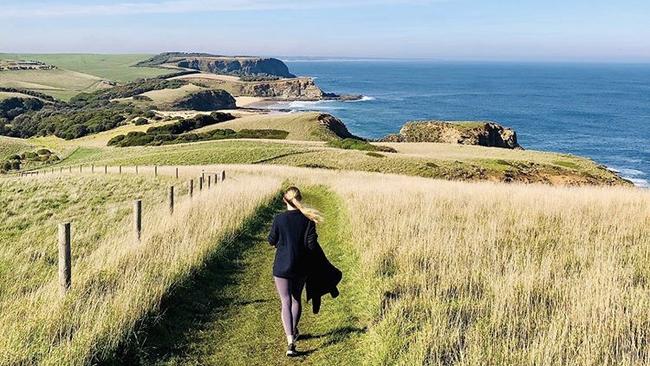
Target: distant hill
point(218, 64)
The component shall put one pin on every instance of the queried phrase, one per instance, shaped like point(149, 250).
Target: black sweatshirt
point(293, 235)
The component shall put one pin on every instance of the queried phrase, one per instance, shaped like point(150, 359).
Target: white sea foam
point(631, 172)
point(364, 98)
point(643, 183)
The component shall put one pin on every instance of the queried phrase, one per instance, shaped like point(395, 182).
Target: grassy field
point(480, 273)
point(62, 84)
point(461, 163)
point(436, 272)
point(10, 146)
point(116, 281)
point(301, 126)
point(7, 95)
point(110, 67)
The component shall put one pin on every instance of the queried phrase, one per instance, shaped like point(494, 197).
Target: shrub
point(355, 144)
point(143, 98)
point(150, 114)
point(262, 134)
point(141, 121)
point(15, 164)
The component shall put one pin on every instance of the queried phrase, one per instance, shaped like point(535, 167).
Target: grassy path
point(229, 314)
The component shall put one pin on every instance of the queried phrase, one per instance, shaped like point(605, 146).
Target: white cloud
point(181, 6)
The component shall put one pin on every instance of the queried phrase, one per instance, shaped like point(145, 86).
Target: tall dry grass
point(120, 281)
point(504, 275)
point(496, 274)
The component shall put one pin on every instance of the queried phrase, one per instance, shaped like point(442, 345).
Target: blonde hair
point(292, 197)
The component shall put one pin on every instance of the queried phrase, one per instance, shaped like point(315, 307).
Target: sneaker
point(291, 350)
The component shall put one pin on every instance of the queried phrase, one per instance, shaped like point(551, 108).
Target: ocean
point(601, 111)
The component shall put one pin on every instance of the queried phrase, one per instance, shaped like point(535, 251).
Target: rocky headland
point(218, 64)
point(488, 134)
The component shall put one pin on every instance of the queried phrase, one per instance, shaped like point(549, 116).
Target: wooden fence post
point(120, 170)
point(137, 219)
point(70, 169)
point(136, 169)
point(65, 271)
point(105, 169)
point(209, 179)
point(80, 168)
point(176, 172)
point(171, 199)
point(223, 175)
point(92, 168)
point(155, 170)
point(216, 178)
point(61, 169)
point(200, 183)
point(191, 188)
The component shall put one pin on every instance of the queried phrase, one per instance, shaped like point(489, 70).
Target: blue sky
point(524, 30)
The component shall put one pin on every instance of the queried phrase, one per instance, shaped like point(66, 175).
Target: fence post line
point(171, 199)
point(155, 170)
point(65, 270)
point(191, 187)
point(176, 172)
point(137, 219)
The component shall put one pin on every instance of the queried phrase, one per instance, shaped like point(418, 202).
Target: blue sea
point(601, 111)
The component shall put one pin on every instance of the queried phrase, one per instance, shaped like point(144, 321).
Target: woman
point(293, 234)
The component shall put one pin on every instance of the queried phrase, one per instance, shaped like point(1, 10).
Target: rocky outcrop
point(206, 100)
point(228, 65)
point(466, 133)
point(298, 88)
point(335, 125)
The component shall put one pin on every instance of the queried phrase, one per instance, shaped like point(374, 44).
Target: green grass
point(59, 83)
point(355, 144)
point(7, 95)
point(113, 67)
point(454, 167)
point(33, 208)
point(10, 146)
point(228, 313)
point(301, 126)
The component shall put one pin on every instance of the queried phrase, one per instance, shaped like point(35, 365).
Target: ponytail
point(292, 197)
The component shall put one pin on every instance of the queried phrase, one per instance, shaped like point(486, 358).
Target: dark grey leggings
point(290, 291)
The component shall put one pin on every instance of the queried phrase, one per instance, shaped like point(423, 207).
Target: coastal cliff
point(217, 64)
point(487, 134)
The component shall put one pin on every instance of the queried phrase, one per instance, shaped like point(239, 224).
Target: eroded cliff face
point(298, 88)
point(248, 66)
point(466, 133)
